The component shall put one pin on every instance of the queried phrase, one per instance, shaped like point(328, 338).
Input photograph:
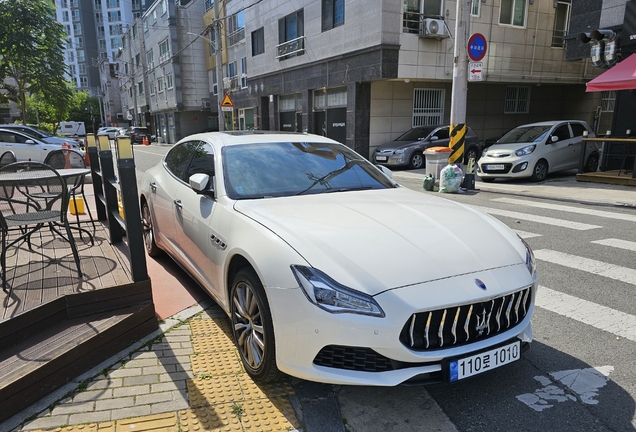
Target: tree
point(31, 49)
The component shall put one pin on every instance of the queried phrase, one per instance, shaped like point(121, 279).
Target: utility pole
point(460, 82)
point(219, 65)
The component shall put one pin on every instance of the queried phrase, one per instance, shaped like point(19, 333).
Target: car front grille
point(465, 324)
point(505, 170)
point(352, 358)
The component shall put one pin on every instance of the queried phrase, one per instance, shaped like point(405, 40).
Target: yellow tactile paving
point(251, 390)
point(158, 422)
point(93, 427)
point(217, 418)
point(263, 415)
point(214, 390)
point(216, 363)
point(212, 342)
point(210, 326)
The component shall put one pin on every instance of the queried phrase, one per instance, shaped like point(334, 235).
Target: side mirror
point(433, 138)
point(201, 184)
point(553, 139)
point(387, 172)
point(29, 141)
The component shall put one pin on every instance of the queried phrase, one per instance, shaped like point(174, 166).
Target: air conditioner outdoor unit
point(433, 28)
point(120, 116)
point(206, 104)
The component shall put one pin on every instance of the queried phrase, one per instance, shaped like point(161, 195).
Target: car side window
point(178, 158)
point(577, 129)
point(441, 133)
point(202, 161)
point(563, 132)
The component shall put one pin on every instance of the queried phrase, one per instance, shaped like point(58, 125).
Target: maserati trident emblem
point(481, 323)
point(480, 284)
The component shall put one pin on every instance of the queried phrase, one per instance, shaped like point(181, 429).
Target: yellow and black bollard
point(457, 137)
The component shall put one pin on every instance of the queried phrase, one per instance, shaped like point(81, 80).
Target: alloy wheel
point(148, 232)
point(248, 325)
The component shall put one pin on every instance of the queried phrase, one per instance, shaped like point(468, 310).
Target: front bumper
point(506, 167)
point(303, 331)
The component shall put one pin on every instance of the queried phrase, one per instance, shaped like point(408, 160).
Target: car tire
point(148, 231)
point(252, 326)
point(417, 160)
point(591, 165)
point(471, 152)
point(540, 171)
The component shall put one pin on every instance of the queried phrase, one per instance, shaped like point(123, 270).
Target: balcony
point(236, 36)
point(290, 48)
point(230, 83)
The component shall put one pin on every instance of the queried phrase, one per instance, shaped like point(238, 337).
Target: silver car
point(28, 148)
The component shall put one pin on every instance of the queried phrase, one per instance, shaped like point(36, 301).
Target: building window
point(64, 3)
point(65, 16)
point(169, 83)
point(150, 59)
point(291, 31)
point(517, 100)
point(83, 81)
point(160, 84)
point(140, 88)
point(154, 16)
point(123, 41)
point(112, 4)
point(98, 4)
point(212, 44)
point(76, 15)
point(73, 70)
point(134, 30)
point(333, 12)
point(232, 76)
point(164, 7)
point(236, 28)
point(164, 51)
point(561, 22)
point(99, 17)
point(71, 56)
point(67, 29)
point(82, 69)
point(115, 29)
point(137, 60)
point(114, 16)
point(244, 72)
point(152, 88)
point(101, 44)
point(79, 42)
point(145, 25)
point(428, 107)
point(513, 12)
point(77, 29)
point(209, 4)
point(475, 10)
point(81, 55)
point(608, 100)
point(100, 31)
point(115, 43)
point(258, 41)
point(215, 85)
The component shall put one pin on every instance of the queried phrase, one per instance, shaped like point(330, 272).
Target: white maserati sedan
point(332, 272)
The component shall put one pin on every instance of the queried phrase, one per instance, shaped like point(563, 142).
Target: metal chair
point(66, 158)
point(32, 195)
point(7, 158)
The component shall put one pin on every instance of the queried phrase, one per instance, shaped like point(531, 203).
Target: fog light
point(520, 167)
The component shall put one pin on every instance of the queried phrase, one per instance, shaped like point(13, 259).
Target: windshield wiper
point(348, 189)
point(324, 179)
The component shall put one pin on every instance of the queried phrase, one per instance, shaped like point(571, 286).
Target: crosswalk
point(618, 323)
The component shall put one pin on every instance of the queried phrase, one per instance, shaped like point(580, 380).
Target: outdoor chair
point(7, 158)
point(32, 195)
point(66, 158)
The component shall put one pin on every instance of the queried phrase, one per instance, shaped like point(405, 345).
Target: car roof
point(3, 129)
point(230, 138)
point(552, 123)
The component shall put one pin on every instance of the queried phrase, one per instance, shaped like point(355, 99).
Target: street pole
point(460, 82)
point(219, 65)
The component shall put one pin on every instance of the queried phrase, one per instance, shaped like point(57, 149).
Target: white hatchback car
point(536, 149)
point(29, 148)
point(332, 272)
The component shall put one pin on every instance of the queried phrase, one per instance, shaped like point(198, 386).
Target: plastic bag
point(450, 179)
point(428, 183)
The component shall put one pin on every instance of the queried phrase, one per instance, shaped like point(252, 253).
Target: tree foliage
point(31, 48)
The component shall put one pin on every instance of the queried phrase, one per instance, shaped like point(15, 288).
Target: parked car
point(332, 272)
point(407, 150)
point(40, 134)
point(110, 131)
point(136, 134)
point(534, 150)
point(28, 148)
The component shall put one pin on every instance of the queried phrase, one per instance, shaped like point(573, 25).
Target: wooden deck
point(56, 325)
point(614, 177)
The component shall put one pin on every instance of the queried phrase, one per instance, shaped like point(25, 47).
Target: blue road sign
point(477, 47)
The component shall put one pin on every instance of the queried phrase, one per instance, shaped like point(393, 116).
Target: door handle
point(570, 145)
point(153, 185)
point(177, 202)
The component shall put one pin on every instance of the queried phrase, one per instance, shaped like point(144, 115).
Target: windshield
point(286, 169)
point(415, 134)
point(524, 134)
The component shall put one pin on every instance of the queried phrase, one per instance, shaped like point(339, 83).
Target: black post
point(110, 195)
point(582, 157)
point(98, 187)
point(130, 201)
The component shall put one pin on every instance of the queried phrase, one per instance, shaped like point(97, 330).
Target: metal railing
point(290, 48)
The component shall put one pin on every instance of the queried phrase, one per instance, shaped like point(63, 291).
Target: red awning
point(621, 76)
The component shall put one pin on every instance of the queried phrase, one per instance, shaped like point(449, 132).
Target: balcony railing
point(230, 82)
point(557, 38)
point(290, 48)
point(236, 36)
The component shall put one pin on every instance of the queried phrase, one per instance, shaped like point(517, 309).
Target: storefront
point(330, 113)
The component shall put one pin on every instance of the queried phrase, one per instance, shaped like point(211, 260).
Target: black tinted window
point(177, 159)
point(563, 132)
point(202, 161)
point(442, 133)
point(577, 129)
point(415, 134)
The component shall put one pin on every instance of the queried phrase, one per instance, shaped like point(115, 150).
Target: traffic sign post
point(477, 47)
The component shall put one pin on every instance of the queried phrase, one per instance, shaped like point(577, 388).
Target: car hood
point(508, 148)
point(382, 239)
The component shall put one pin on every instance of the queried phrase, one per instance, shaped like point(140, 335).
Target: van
point(70, 128)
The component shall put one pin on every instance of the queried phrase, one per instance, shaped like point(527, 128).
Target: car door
point(24, 147)
point(443, 137)
point(558, 153)
point(164, 187)
point(195, 221)
point(577, 143)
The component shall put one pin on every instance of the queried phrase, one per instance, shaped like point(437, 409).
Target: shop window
point(428, 107)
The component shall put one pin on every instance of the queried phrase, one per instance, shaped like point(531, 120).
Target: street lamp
point(219, 66)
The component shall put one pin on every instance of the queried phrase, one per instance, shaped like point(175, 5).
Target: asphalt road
point(580, 373)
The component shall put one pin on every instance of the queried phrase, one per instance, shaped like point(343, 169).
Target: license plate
point(485, 361)
point(381, 158)
point(494, 167)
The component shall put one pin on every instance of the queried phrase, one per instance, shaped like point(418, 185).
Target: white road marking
point(584, 382)
point(612, 271)
point(587, 212)
point(525, 235)
point(617, 243)
point(601, 317)
point(534, 218)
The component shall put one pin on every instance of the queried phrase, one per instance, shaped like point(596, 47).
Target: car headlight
point(400, 151)
point(526, 150)
point(329, 295)
point(531, 264)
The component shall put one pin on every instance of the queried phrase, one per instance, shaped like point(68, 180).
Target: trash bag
point(428, 183)
point(450, 179)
